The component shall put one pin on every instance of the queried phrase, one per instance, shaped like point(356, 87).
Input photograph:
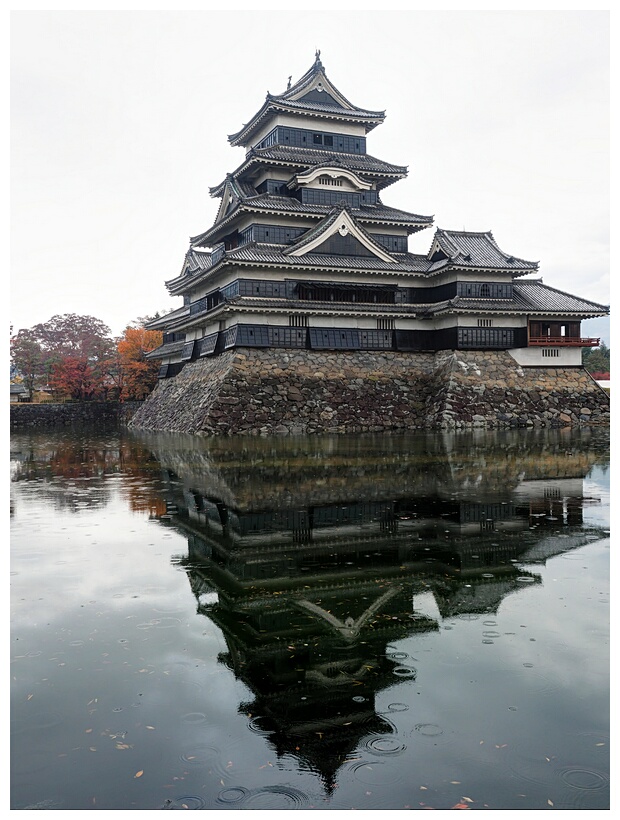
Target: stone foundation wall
point(273, 391)
point(489, 389)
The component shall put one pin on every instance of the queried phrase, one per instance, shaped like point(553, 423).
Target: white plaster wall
point(533, 357)
point(498, 321)
point(309, 124)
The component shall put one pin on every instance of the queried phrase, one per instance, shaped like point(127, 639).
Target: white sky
point(119, 124)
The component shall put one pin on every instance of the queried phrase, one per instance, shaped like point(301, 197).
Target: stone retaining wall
point(273, 391)
point(71, 414)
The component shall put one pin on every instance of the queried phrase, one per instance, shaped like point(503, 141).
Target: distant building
point(304, 254)
point(19, 392)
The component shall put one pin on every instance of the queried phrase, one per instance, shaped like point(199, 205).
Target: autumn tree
point(28, 359)
point(138, 374)
point(70, 352)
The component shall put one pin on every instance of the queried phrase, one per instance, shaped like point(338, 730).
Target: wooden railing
point(563, 341)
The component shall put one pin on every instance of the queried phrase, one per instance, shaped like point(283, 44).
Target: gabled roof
point(340, 221)
point(302, 159)
point(470, 249)
point(312, 95)
point(289, 206)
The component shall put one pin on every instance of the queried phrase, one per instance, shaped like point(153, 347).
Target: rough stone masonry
point(274, 391)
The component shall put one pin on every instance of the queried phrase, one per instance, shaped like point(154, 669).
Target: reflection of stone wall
point(255, 391)
point(287, 472)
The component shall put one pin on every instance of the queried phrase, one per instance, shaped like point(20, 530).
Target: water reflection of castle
point(311, 593)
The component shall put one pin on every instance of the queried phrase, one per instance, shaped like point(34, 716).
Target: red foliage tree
point(69, 352)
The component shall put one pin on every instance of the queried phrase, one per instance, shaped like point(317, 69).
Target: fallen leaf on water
point(460, 806)
point(455, 782)
point(139, 774)
point(550, 802)
point(150, 727)
point(30, 696)
point(467, 799)
point(93, 748)
point(424, 787)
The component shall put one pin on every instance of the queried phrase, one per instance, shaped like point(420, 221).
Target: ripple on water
point(398, 656)
point(583, 778)
point(201, 755)
point(185, 802)
point(404, 672)
point(194, 718)
point(383, 745)
point(375, 773)
point(428, 729)
point(268, 797)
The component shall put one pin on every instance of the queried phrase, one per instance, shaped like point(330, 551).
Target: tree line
point(597, 360)
point(76, 357)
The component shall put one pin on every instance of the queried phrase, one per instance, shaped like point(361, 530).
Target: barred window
point(550, 352)
point(385, 324)
point(485, 322)
point(298, 321)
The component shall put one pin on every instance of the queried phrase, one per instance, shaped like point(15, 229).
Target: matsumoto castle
point(304, 253)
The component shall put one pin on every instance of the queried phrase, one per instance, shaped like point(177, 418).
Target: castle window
point(318, 139)
point(328, 140)
point(550, 352)
point(385, 324)
point(485, 322)
point(485, 291)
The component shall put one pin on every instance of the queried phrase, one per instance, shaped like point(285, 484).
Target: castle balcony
point(563, 341)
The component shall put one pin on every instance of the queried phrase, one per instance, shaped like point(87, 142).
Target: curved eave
point(163, 321)
point(209, 237)
point(290, 264)
point(249, 305)
point(389, 177)
point(514, 310)
point(370, 119)
point(460, 267)
point(165, 350)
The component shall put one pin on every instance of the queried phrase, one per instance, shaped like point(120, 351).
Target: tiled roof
point(334, 104)
point(475, 249)
point(196, 260)
point(266, 254)
point(536, 296)
point(165, 350)
point(305, 158)
point(269, 203)
point(163, 321)
point(528, 297)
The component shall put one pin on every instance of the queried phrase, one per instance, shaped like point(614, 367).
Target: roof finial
point(317, 55)
point(289, 82)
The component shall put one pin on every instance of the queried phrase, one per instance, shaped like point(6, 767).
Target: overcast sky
point(119, 124)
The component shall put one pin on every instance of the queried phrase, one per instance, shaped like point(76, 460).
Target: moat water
point(399, 622)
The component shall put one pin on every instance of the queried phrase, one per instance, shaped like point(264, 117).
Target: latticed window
point(385, 324)
point(298, 321)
